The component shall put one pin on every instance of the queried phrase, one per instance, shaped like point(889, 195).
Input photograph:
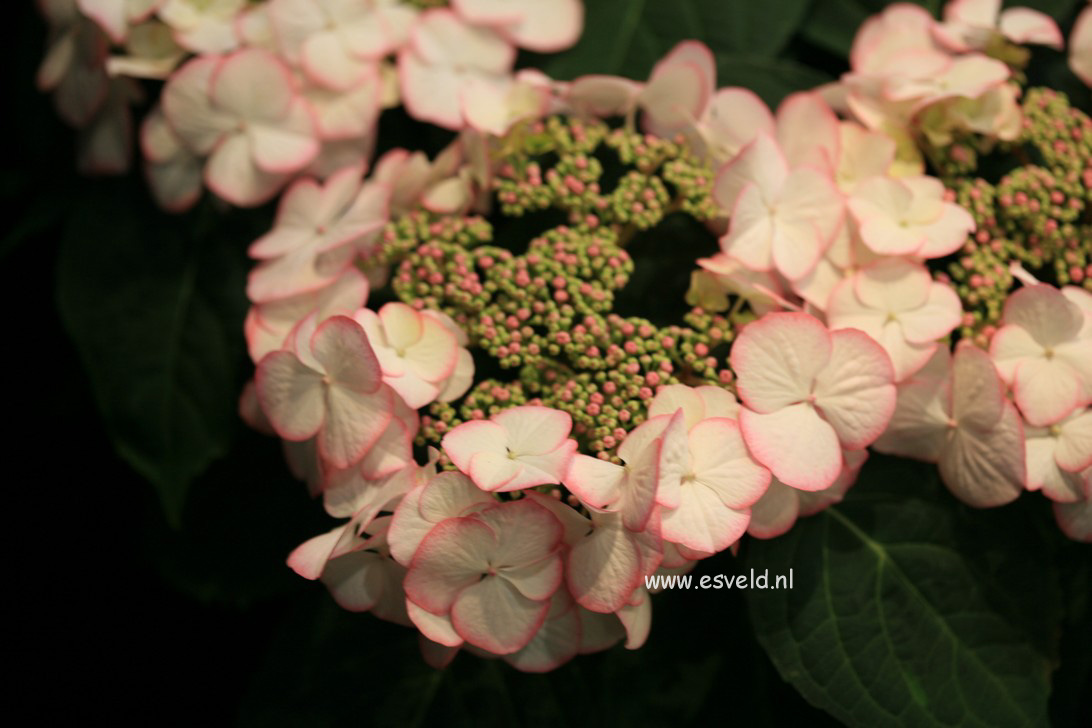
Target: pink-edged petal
point(486, 106)
point(291, 395)
point(986, 468)
point(1075, 519)
point(534, 430)
point(413, 390)
point(574, 525)
point(326, 60)
point(807, 130)
point(359, 580)
point(391, 452)
point(451, 494)
point(461, 378)
point(862, 154)
point(309, 558)
point(432, 357)
point(603, 95)
point(354, 423)
point(719, 461)
point(893, 285)
point(978, 396)
point(808, 214)
point(604, 568)
point(442, 37)
point(1080, 47)
point(673, 464)
point(297, 273)
point(776, 359)
point(906, 357)
point(538, 580)
point(188, 108)
point(751, 232)
point(493, 615)
point(1074, 448)
point(1046, 390)
point(1045, 475)
point(672, 397)
point(552, 465)
point(596, 482)
point(347, 115)
point(776, 512)
point(733, 118)
point(436, 627)
point(176, 185)
point(761, 162)
point(979, 13)
point(879, 205)
point(642, 438)
point(408, 528)
point(402, 325)
point(340, 345)
point(948, 234)
point(288, 145)
point(936, 318)
point(679, 88)
point(845, 310)
point(547, 26)
point(471, 438)
point(1024, 25)
point(812, 503)
point(718, 402)
point(798, 447)
point(253, 84)
point(231, 173)
point(555, 643)
point(525, 532)
point(856, 391)
point(636, 617)
point(1045, 312)
point(1077, 355)
point(1011, 345)
point(920, 423)
point(640, 487)
point(702, 521)
point(490, 12)
point(295, 224)
point(430, 93)
point(453, 556)
point(495, 472)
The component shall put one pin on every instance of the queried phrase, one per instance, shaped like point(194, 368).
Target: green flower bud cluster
point(1036, 217)
point(547, 314)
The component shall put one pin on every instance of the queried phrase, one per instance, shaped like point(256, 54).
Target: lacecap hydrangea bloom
point(453, 350)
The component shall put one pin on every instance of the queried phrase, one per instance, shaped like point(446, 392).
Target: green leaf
point(772, 79)
point(329, 667)
point(910, 609)
point(832, 24)
point(1060, 10)
point(610, 27)
point(155, 310)
point(761, 29)
point(627, 37)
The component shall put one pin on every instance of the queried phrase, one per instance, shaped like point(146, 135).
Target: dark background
point(120, 615)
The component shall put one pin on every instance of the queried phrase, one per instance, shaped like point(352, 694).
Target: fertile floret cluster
point(547, 311)
point(1033, 220)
